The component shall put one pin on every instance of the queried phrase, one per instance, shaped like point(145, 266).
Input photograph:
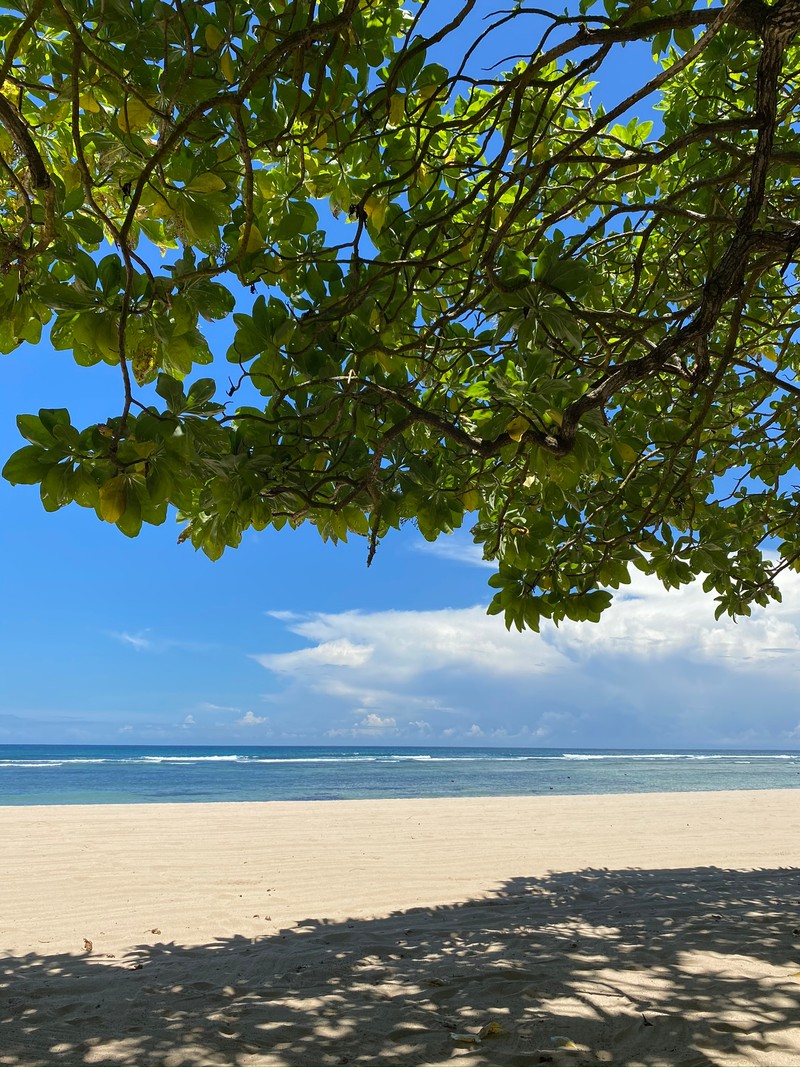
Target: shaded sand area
point(646, 929)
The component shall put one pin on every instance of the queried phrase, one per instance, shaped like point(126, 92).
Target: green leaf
point(171, 391)
point(130, 518)
point(201, 391)
point(205, 183)
point(51, 418)
point(25, 466)
point(113, 499)
point(514, 267)
point(55, 487)
point(110, 273)
point(84, 488)
point(200, 222)
point(33, 429)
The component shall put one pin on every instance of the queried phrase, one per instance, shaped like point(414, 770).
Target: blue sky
point(290, 641)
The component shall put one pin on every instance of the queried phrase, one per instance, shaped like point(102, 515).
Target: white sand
point(652, 929)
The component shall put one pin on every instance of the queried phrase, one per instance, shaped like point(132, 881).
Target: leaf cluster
point(453, 295)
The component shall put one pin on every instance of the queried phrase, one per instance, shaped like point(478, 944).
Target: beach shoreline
point(133, 774)
point(326, 892)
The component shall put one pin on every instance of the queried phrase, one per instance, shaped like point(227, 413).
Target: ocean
point(71, 774)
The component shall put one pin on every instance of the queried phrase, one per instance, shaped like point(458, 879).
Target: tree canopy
point(458, 290)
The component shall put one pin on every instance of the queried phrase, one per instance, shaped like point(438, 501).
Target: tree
point(456, 293)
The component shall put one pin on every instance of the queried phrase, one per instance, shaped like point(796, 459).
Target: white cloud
point(456, 548)
point(146, 641)
point(396, 645)
point(249, 719)
point(657, 670)
point(337, 653)
point(371, 725)
point(188, 722)
point(375, 722)
point(650, 622)
point(380, 698)
point(137, 641)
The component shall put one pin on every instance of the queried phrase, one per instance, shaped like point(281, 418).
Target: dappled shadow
point(690, 966)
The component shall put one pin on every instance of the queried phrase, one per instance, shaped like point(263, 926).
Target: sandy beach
point(637, 929)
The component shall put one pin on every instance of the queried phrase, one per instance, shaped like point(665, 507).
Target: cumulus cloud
point(420, 724)
point(249, 719)
point(657, 670)
point(397, 645)
point(371, 726)
point(188, 722)
point(650, 622)
point(375, 722)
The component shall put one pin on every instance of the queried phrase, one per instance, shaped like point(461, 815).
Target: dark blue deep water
point(71, 774)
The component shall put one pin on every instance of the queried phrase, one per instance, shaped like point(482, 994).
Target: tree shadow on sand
point(695, 966)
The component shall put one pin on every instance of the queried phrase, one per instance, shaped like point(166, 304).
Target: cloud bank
point(658, 670)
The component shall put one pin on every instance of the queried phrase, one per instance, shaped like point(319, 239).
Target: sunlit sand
point(647, 929)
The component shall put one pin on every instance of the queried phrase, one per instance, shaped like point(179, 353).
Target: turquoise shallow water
point(70, 774)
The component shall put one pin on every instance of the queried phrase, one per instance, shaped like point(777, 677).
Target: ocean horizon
point(134, 774)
